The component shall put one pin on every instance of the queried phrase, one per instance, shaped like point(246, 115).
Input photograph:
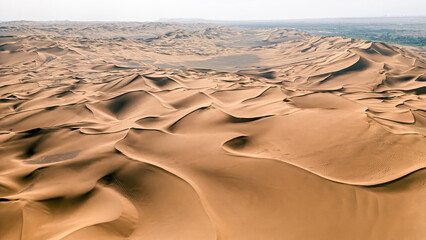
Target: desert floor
point(202, 132)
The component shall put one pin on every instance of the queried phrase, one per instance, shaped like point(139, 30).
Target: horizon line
point(215, 20)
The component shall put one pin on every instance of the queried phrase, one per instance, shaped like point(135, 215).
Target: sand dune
point(210, 133)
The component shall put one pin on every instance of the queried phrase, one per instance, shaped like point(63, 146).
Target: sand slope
point(211, 134)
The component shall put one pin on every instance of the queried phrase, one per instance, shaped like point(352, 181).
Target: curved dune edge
point(198, 135)
point(354, 153)
point(206, 195)
point(375, 182)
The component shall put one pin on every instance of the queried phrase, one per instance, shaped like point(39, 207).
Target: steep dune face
point(318, 138)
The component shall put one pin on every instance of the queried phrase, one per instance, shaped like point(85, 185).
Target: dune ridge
point(215, 133)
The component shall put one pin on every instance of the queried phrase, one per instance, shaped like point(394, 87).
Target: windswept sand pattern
point(309, 138)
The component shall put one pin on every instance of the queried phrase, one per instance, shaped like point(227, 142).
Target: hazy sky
point(133, 10)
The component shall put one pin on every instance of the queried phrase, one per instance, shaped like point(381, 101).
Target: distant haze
point(133, 10)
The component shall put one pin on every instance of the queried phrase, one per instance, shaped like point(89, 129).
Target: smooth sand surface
point(211, 133)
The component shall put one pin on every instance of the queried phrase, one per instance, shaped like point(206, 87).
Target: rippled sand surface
point(216, 133)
